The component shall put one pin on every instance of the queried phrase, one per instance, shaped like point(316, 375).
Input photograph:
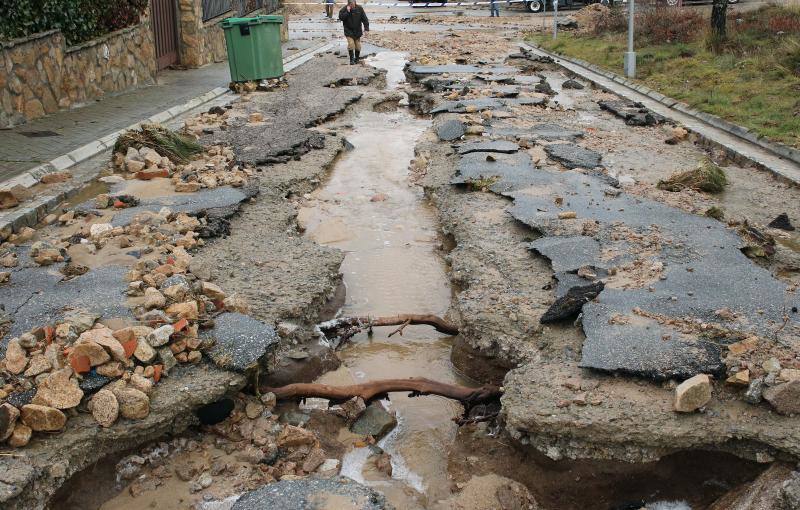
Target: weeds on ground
point(752, 78)
point(177, 147)
point(706, 177)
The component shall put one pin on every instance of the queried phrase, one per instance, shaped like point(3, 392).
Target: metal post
point(555, 18)
point(630, 56)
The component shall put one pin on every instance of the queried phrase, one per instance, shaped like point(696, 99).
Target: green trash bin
point(254, 47)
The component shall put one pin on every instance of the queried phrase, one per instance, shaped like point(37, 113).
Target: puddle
point(387, 230)
point(88, 192)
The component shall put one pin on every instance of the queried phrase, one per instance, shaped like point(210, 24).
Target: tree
point(719, 14)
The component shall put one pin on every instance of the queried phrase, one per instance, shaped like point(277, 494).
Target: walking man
point(329, 8)
point(494, 9)
point(352, 17)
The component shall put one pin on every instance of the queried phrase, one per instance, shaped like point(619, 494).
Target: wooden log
point(337, 331)
point(376, 390)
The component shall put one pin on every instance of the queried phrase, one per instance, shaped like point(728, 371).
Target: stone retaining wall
point(40, 75)
point(119, 61)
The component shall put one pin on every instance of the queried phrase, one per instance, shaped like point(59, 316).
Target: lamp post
point(630, 55)
point(555, 18)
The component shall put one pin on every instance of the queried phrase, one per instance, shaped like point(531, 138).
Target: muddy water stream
point(388, 232)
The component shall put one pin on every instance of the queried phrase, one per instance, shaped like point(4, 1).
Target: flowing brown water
point(369, 210)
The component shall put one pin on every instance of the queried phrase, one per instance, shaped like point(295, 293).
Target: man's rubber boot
point(352, 56)
point(358, 55)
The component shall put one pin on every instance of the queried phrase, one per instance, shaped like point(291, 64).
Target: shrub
point(610, 21)
point(667, 25)
point(78, 20)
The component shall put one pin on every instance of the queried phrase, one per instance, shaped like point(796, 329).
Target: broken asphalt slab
point(634, 114)
point(240, 341)
point(485, 103)
point(573, 156)
point(699, 257)
point(450, 130)
point(501, 172)
point(501, 146)
point(37, 295)
point(192, 204)
point(416, 71)
point(284, 132)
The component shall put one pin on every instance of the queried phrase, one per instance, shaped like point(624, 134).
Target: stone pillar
point(191, 40)
point(285, 26)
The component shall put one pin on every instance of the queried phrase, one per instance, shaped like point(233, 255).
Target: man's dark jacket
point(352, 21)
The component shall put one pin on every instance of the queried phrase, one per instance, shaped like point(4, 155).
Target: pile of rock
point(214, 167)
point(111, 372)
point(54, 369)
point(208, 122)
point(144, 163)
point(251, 447)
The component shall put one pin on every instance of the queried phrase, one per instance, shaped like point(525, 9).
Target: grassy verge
point(752, 79)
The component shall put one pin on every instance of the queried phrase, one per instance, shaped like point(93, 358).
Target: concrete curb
point(777, 149)
point(31, 213)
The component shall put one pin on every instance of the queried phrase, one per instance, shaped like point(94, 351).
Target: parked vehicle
point(538, 5)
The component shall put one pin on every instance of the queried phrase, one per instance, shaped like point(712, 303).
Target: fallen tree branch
point(337, 331)
point(380, 389)
point(400, 329)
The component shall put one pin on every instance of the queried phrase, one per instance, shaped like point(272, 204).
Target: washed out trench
point(388, 232)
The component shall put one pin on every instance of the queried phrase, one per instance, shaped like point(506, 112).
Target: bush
point(78, 20)
point(611, 20)
point(667, 25)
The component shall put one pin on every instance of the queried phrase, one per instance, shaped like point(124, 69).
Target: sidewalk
point(30, 145)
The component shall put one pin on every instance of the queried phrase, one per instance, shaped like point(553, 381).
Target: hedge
point(78, 20)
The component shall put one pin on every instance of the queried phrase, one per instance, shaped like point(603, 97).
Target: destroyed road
point(594, 318)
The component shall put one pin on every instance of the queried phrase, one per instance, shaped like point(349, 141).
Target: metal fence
point(214, 8)
point(248, 6)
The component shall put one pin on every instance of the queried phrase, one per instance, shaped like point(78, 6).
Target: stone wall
point(119, 61)
point(30, 77)
point(40, 75)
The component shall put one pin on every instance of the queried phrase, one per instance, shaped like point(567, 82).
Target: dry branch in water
point(338, 331)
point(376, 390)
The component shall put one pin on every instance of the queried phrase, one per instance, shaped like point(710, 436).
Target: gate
point(165, 24)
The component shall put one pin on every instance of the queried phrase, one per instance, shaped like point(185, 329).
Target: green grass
point(753, 80)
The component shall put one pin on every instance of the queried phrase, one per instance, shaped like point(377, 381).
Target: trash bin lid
point(230, 22)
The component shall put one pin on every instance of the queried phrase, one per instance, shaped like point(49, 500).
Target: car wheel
point(672, 3)
point(607, 3)
point(534, 5)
